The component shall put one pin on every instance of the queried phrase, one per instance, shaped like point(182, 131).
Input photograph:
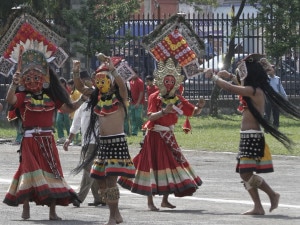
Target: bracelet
point(215, 78)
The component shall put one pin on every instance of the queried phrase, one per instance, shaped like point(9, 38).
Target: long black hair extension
point(92, 128)
point(257, 77)
point(56, 91)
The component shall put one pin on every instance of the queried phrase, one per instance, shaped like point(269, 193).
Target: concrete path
point(220, 199)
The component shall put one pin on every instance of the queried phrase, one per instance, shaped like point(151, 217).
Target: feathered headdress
point(29, 42)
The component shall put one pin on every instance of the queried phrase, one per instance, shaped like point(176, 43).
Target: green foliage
point(94, 21)
point(47, 11)
point(280, 20)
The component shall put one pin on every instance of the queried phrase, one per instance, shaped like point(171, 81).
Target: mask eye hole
point(36, 78)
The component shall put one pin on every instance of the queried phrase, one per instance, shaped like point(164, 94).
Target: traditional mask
point(168, 77)
point(169, 82)
point(33, 80)
point(102, 82)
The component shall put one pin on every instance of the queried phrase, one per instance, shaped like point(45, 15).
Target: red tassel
point(187, 126)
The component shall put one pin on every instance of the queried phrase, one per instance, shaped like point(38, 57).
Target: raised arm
point(118, 79)
point(11, 93)
point(79, 85)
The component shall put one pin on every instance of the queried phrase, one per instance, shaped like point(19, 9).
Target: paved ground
point(220, 199)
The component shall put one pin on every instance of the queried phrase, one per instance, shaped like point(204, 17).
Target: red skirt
point(160, 170)
point(39, 177)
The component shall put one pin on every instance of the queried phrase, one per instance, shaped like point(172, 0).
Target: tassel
point(187, 126)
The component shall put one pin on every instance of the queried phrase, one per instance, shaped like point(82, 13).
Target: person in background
point(80, 122)
point(254, 155)
point(74, 95)
point(209, 48)
point(270, 108)
point(108, 106)
point(39, 177)
point(136, 103)
point(161, 168)
point(13, 116)
point(63, 122)
point(150, 86)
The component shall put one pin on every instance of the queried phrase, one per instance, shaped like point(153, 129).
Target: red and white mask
point(169, 82)
point(33, 80)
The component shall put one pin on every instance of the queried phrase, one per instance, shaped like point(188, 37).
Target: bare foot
point(26, 212)
point(111, 222)
point(119, 218)
point(54, 217)
point(274, 202)
point(153, 207)
point(167, 205)
point(254, 211)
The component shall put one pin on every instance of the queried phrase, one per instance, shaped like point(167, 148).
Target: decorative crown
point(164, 69)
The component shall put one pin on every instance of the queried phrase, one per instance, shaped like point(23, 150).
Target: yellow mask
point(102, 82)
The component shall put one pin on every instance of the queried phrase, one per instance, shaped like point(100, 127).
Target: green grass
point(211, 134)
point(222, 134)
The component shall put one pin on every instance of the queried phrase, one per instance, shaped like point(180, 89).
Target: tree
point(46, 10)
point(213, 111)
point(94, 22)
point(280, 23)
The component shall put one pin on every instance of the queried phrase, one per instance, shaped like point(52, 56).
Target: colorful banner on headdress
point(176, 39)
point(29, 31)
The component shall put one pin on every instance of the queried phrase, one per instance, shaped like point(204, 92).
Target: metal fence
point(215, 30)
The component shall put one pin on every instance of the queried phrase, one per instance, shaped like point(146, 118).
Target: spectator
point(276, 84)
point(209, 48)
point(14, 117)
point(150, 86)
point(74, 95)
point(81, 122)
point(136, 104)
point(62, 119)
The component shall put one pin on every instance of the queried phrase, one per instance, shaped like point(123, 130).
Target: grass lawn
point(211, 134)
point(222, 134)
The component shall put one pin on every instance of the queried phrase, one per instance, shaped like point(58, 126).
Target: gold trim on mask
point(165, 69)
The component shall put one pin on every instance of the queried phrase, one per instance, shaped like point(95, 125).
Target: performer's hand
point(76, 66)
point(224, 74)
point(208, 73)
point(16, 80)
point(66, 144)
point(168, 108)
